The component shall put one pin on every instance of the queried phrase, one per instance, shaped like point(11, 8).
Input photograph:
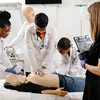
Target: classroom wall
point(65, 17)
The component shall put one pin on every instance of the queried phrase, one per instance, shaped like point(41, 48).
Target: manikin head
point(28, 13)
point(64, 45)
point(5, 24)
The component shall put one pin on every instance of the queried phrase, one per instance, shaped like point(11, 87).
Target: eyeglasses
point(59, 51)
point(38, 30)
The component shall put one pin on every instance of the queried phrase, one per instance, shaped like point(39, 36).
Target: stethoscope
point(42, 43)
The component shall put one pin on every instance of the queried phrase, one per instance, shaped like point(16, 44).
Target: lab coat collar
point(34, 29)
point(30, 23)
point(71, 48)
point(47, 30)
point(1, 39)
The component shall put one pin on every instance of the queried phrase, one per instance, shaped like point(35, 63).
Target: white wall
point(65, 17)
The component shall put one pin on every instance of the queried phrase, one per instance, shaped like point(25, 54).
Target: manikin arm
point(57, 92)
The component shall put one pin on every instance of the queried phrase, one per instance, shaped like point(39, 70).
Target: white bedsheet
point(7, 94)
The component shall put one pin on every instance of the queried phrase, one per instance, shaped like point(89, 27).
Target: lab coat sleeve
point(75, 63)
point(5, 62)
point(51, 49)
point(30, 49)
point(20, 36)
point(2, 68)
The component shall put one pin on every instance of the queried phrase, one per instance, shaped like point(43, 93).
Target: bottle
point(19, 67)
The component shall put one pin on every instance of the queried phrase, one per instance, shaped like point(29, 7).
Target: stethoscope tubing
point(42, 45)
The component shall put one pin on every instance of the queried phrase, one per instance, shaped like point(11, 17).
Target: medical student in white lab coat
point(70, 61)
point(29, 14)
point(41, 42)
point(5, 26)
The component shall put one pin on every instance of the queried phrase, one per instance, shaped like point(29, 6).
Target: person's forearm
point(2, 68)
point(93, 69)
point(15, 41)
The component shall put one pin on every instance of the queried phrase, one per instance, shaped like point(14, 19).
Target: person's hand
point(39, 71)
point(83, 62)
point(82, 56)
point(20, 73)
point(12, 70)
point(7, 47)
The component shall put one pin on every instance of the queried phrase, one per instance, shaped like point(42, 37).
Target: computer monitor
point(43, 1)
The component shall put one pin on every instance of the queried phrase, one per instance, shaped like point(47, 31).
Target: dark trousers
point(92, 87)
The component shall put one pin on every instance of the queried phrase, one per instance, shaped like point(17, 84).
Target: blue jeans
point(72, 84)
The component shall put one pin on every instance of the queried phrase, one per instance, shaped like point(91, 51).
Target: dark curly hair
point(4, 19)
point(64, 43)
point(41, 20)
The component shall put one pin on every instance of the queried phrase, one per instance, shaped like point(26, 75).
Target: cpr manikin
point(36, 84)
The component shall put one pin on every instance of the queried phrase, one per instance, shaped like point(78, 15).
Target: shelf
point(10, 6)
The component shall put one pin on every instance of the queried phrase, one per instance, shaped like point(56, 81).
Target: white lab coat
point(41, 57)
point(19, 38)
point(70, 64)
point(4, 61)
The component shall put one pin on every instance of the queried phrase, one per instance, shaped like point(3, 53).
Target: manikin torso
point(48, 80)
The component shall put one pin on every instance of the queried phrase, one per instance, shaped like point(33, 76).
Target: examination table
point(7, 94)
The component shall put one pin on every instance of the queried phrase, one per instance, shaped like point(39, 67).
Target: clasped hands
point(40, 71)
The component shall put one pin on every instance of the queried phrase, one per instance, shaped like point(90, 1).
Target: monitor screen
point(43, 1)
point(83, 43)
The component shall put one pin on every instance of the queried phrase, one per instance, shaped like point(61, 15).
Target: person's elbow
point(98, 70)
